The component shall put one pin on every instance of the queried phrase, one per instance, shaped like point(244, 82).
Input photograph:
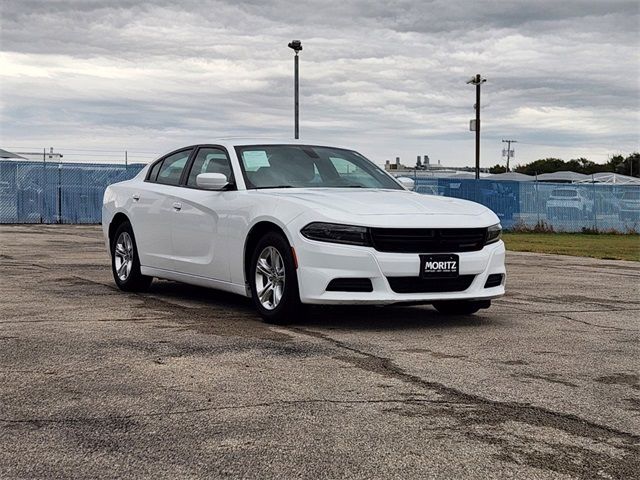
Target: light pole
point(296, 46)
point(477, 80)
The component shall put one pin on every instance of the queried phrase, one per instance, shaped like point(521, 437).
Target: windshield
point(302, 166)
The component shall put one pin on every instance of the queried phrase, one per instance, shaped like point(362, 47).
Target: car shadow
point(200, 295)
point(342, 317)
point(384, 318)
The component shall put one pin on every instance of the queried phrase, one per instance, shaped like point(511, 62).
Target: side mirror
point(212, 181)
point(407, 183)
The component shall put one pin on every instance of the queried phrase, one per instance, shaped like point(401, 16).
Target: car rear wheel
point(125, 263)
point(465, 307)
point(273, 280)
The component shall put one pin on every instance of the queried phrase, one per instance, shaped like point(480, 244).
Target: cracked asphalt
point(188, 382)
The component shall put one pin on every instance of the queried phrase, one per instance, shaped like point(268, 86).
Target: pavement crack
point(487, 411)
point(584, 322)
point(563, 314)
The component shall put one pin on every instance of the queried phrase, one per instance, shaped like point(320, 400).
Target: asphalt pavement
point(188, 382)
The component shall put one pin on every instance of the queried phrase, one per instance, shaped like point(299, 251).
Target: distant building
point(396, 166)
point(425, 168)
point(49, 156)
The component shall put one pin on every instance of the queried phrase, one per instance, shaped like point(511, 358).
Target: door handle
point(177, 206)
point(136, 197)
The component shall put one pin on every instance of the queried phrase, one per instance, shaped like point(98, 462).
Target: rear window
point(153, 175)
point(564, 193)
point(172, 167)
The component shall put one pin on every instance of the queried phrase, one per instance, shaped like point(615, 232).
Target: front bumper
point(320, 262)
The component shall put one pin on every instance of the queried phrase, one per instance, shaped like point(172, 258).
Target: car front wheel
point(465, 307)
point(273, 280)
point(125, 263)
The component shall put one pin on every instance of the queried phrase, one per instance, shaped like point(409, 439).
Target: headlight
point(494, 233)
point(336, 233)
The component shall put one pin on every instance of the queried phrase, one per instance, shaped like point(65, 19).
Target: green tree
point(498, 169)
point(624, 166)
point(630, 165)
point(616, 164)
point(544, 165)
point(581, 165)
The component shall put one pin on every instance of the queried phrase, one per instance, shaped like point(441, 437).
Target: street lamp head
point(476, 80)
point(295, 45)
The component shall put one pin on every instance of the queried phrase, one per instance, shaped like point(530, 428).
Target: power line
point(109, 155)
point(86, 150)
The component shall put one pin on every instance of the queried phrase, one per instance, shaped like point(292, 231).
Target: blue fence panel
point(34, 192)
point(578, 207)
point(500, 196)
point(561, 207)
point(39, 192)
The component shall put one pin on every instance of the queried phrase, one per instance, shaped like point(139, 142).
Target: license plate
point(439, 266)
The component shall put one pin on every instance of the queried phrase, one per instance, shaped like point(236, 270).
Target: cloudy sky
point(387, 77)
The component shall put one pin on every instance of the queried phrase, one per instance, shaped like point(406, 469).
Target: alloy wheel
point(123, 256)
point(270, 278)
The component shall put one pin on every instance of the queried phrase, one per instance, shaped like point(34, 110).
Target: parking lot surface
point(188, 382)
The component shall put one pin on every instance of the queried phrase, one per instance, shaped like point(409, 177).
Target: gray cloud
point(386, 77)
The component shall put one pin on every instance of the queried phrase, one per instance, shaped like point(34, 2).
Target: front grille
point(494, 280)
point(430, 285)
point(350, 285)
point(428, 240)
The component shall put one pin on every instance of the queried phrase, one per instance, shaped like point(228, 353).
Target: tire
point(279, 304)
point(126, 257)
point(463, 307)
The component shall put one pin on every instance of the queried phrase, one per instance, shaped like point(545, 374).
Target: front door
point(198, 228)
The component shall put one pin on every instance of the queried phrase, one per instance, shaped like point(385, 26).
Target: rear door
point(199, 238)
point(153, 206)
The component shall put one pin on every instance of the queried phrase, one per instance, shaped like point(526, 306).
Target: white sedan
point(288, 223)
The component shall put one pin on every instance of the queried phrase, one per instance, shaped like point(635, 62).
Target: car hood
point(375, 202)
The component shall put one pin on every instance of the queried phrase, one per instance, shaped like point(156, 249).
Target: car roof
point(244, 141)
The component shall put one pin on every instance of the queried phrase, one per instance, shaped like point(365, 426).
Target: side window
point(153, 174)
point(172, 166)
point(210, 160)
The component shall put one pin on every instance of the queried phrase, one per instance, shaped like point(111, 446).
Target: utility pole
point(509, 151)
point(477, 80)
point(296, 46)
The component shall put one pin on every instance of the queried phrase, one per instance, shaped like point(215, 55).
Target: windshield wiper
point(273, 186)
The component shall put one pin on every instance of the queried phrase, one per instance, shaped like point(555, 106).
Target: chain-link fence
point(33, 192)
point(562, 207)
point(41, 192)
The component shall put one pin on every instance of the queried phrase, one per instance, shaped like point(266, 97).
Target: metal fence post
point(59, 219)
point(43, 184)
point(537, 200)
point(595, 201)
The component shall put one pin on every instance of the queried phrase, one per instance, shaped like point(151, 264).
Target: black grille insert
point(430, 285)
point(494, 280)
point(350, 285)
point(428, 240)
